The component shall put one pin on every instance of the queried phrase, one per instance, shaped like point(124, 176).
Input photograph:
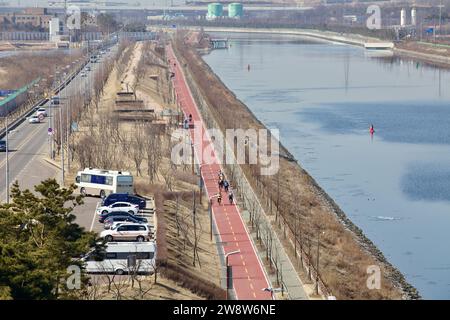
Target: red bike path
point(249, 278)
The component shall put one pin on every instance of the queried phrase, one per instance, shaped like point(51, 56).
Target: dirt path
point(130, 76)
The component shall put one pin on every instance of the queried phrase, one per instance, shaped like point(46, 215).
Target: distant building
point(35, 17)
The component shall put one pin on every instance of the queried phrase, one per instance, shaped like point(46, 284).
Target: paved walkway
point(249, 278)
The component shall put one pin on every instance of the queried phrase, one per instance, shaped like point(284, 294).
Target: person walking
point(230, 196)
point(219, 198)
point(226, 185)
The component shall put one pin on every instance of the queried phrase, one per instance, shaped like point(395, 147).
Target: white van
point(103, 182)
point(123, 257)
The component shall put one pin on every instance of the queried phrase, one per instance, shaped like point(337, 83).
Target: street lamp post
point(210, 219)
point(229, 271)
point(272, 291)
point(7, 157)
point(317, 263)
point(62, 144)
point(61, 135)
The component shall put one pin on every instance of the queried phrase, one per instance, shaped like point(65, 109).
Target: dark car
point(2, 145)
point(110, 220)
point(124, 197)
point(102, 217)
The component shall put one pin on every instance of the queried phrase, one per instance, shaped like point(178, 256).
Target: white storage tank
point(414, 16)
point(403, 17)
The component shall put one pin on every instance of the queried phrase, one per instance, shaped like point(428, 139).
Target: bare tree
point(137, 143)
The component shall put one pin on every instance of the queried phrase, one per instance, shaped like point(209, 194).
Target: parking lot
point(88, 218)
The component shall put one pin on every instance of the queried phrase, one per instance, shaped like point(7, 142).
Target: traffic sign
point(41, 117)
point(74, 126)
point(50, 131)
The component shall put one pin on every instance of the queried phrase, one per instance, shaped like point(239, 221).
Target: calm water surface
point(323, 97)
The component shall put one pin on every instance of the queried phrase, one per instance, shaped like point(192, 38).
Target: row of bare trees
point(107, 141)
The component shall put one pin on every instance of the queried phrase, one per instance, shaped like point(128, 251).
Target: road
point(249, 278)
point(28, 143)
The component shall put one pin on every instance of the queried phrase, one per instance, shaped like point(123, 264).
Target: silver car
point(34, 119)
point(130, 232)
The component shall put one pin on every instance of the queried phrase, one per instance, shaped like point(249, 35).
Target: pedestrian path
point(249, 278)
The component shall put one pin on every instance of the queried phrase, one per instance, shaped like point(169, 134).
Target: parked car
point(132, 231)
point(124, 197)
point(117, 223)
point(2, 145)
point(54, 100)
point(102, 217)
point(34, 119)
point(119, 206)
point(110, 221)
point(42, 111)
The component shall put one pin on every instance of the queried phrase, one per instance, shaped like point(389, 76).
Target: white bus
point(122, 257)
point(104, 182)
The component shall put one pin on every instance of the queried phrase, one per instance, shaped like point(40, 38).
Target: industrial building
point(35, 17)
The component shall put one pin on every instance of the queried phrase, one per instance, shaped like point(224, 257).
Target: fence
point(14, 100)
point(137, 36)
point(23, 35)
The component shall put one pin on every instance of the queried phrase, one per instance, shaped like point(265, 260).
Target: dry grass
point(345, 252)
point(173, 263)
point(122, 289)
point(23, 68)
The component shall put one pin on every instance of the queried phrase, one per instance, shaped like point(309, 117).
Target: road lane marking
point(93, 220)
point(25, 141)
point(3, 194)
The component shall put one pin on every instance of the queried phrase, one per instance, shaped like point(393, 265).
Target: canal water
point(323, 96)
